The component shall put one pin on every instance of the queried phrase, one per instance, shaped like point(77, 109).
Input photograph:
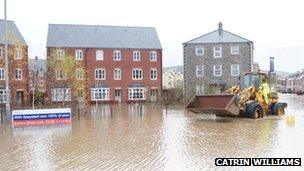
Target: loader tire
point(254, 110)
point(278, 109)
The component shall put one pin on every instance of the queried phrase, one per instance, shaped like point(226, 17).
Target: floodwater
point(135, 137)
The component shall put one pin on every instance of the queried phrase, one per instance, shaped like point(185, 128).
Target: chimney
point(220, 28)
point(271, 70)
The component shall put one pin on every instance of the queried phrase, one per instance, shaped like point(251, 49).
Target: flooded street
point(149, 138)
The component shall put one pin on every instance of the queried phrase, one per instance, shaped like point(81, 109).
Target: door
point(19, 98)
point(154, 95)
point(118, 95)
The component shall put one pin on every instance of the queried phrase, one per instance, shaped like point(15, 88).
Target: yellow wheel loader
point(246, 99)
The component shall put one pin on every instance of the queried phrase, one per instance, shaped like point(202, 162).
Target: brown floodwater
point(136, 137)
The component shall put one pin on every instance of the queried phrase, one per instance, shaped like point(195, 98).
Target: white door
point(118, 95)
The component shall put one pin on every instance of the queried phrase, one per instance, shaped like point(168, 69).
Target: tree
point(70, 72)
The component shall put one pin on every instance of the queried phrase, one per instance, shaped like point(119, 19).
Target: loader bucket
point(220, 105)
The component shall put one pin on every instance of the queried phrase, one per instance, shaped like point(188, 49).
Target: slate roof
point(215, 37)
point(12, 31)
point(40, 65)
point(95, 36)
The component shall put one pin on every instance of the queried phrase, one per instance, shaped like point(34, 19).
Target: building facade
point(115, 64)
point(17, 66)
point(37, 74)
point(213, 62)
point(172, 79)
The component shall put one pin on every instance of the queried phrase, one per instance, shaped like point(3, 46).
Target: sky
point(275, 26)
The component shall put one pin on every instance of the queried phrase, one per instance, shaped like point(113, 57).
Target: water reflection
point(146, 137)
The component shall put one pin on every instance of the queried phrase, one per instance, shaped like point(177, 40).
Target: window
point(60, 53)
point(61, 94)
point(136, 56)
point(199, 70)
point(1, 52)
point(137, 74)
point(18, 54)
point(2, 74)
point(217, 70)
point(41, 83)
point(41, 73)
point(99, 55)
point(59, 75)
point(153, 74)
point(153, 56)
point(137, 93)
point(235, 70)
point(217, 51)
point(117, 74)
point(100, 94)
point(199, 51)
point(79, 74)
point(79, 54)
point(2, 96)
point(234, 50)
point(18, 74)
point(100, 74)
point(117, 55)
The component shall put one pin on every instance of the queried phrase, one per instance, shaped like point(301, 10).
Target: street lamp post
point(8, 98)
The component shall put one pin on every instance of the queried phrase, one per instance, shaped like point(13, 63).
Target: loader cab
point(250, 79)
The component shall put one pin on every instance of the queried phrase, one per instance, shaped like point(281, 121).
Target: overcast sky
point(275, 26)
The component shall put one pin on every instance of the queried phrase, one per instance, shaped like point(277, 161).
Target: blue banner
point(41, 116)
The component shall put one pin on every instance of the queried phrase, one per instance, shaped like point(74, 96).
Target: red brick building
point(18, 62)
point(37, 75)
point(118, 64)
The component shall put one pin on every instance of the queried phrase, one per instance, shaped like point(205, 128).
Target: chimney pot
point(220, 28)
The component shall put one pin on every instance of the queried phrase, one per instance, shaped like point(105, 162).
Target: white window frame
point(100, 94)
point(137, 93)
point(61, 94)
point(117, 55)
point(79, 55)
point(235, 50)
point(140, 73)
point(153, 74)
point(100, 75)
point(235, 69)
point(99, 55)
point(153, 56)
point(2, 96)
point(79, 74)
point(2, 74)
point(136, 55)
point(18, 54)
point(41, 73)
point(217, 53)
point(18, 74)
point(197, 49)
point(59, 75)
point(215, 69)
point(60, 53)
point(117, 74)
point(199, 68)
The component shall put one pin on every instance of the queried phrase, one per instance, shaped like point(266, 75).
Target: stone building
point(213, 62)
point(17, 66)
point(117, 63)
